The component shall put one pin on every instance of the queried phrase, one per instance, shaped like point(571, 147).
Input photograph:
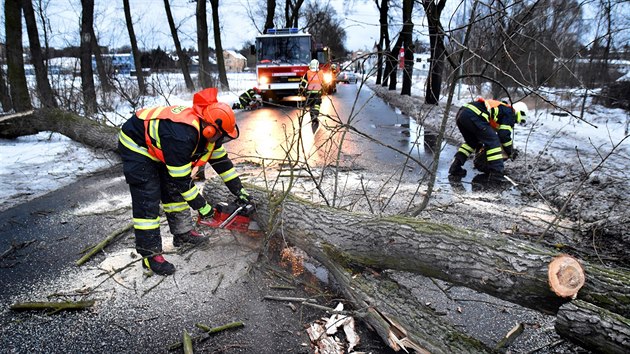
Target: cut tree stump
point(566, 276)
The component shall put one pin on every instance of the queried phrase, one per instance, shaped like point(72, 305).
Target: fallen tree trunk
point(512, 270)
point(75, 127)
point(594, 327)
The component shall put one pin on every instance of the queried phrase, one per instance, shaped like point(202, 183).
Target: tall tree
point(325, 26)
point(202, 44)
point(433, 10)
point(383, 40)
point(183, 57)
point(15, 56)
point(217, 44)
point(292, 12)
point(406, 34)
point(85, 55)
point(134, 48)
point(271, 13)
point(46, 95)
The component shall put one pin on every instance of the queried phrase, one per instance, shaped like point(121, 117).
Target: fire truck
point(282, 58)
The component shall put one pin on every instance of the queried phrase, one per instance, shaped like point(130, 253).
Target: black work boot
point(456, 169)
point(158, 265)
point(192, 237)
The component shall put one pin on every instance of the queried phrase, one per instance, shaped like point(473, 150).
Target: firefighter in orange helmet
point(487, 126)
point(159, 147)
point(311, 88)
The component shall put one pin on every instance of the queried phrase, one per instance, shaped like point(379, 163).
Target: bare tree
point(183, 58)
point(433, 11)
point(218, 46)
point(46, 96)
point(102, 69)
point(202, 43)
point(85, 52)
point(383, 41)
point(292, 12)
point(406, 34)
point(271, 13)
point(134, 48)
point(21, 100)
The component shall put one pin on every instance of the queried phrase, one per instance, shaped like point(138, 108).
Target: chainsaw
point(231, 216)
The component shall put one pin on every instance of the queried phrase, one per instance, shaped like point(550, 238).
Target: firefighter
point(159, 147)
point(311, 89)
point(486, 126)
point(246, 99)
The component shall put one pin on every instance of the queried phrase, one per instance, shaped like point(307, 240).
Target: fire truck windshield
point(284, 49)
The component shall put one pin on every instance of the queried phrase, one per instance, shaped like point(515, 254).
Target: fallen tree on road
point(512, 270)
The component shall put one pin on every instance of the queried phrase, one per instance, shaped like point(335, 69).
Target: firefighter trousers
point(313, 102)
point(478, 133)
point(149, 184)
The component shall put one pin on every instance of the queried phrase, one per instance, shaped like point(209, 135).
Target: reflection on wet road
point(379, 137)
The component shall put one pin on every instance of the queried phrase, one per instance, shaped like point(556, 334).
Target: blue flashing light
point(293, 30)
point(271, 30)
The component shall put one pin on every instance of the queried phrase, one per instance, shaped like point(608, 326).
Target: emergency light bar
point(281, 30)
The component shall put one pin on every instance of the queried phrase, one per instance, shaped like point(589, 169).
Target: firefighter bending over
point(487, 126)
point(311, 89)
point(247, 99)
point(159, 147)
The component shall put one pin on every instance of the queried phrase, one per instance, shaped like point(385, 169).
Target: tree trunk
point(383, 41)
point(87, 75)
point(436, 39)
point(202, 44)
point(46, 95)
point(594, 327)
point(271, 13)
point(5, 99)
point(20, 98)
point(183, 58)
point(513, 270)
point(73, 126)
point(225, 85)
point(134, 47)
point(407, 34)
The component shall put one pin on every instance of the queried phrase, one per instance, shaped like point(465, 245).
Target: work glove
point(244, 197)
point(206, 213)
point(515, 154)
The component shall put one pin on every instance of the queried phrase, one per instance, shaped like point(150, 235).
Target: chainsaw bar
point(231, 217)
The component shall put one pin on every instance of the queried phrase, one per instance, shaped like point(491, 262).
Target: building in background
point(234, 62)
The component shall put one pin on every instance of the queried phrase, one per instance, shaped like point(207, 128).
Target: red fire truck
point(282, 58)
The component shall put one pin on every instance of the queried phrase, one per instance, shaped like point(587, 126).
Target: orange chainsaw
point(231, 216)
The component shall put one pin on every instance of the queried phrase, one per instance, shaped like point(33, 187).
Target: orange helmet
point(218, 116)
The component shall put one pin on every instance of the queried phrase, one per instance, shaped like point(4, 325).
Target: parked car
point(347, 77)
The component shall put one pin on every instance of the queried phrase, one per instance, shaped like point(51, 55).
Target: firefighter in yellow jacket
point(159, 147)
point(311, 88)
point(487, 127)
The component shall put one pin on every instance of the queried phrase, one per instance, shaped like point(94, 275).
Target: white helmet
point(314, 65)
point(521, 110)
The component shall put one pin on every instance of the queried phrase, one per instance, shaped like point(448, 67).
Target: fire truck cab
point(282, 58)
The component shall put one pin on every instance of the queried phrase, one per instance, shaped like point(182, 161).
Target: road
point(264, 133)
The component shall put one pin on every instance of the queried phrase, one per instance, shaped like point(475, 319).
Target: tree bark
point(183, 58)
point(436, 39)
point(225, 85)
point(134, 48)
point(407, 35)
point(202, 45)
point(87, 74)
point(594, 327)
point(46, 96)
point(20, 98)
point(73, 126)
